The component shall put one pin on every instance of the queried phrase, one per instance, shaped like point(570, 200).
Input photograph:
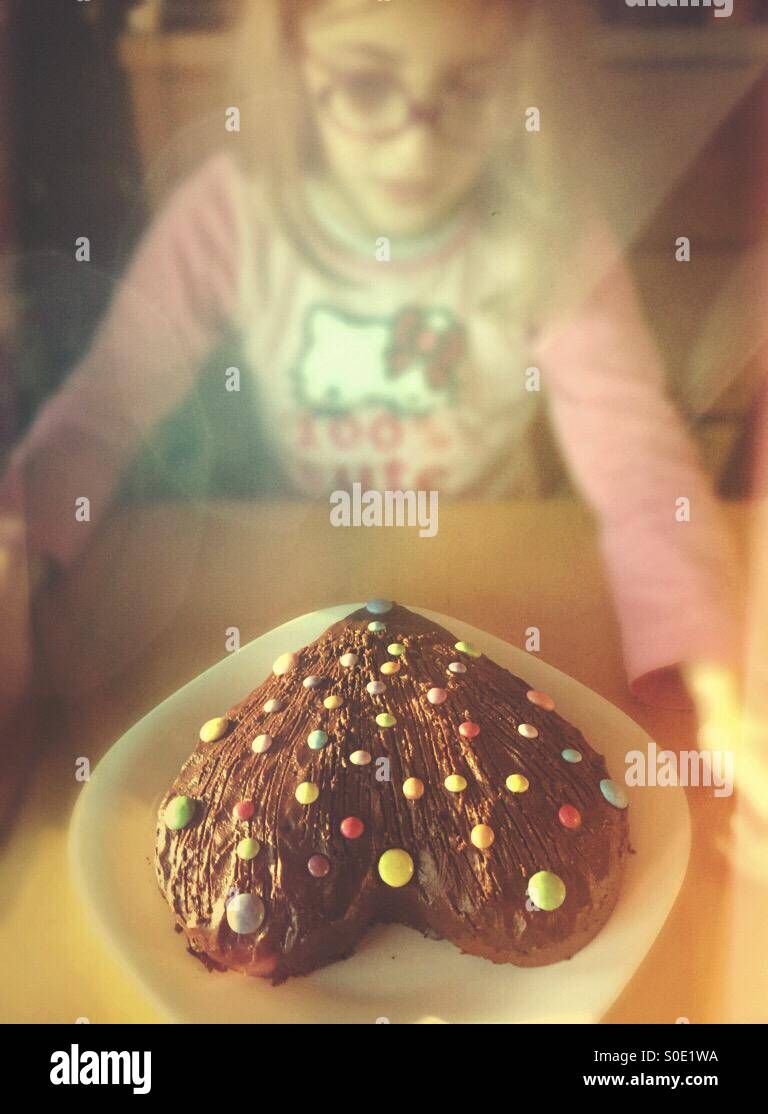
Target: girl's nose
point(415, 145)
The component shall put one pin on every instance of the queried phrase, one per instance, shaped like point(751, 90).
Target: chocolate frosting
point(476, 898)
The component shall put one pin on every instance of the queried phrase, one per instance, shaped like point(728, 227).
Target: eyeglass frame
point(416, 111)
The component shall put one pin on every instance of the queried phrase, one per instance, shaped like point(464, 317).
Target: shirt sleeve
point(664, 540)
point(175, 299)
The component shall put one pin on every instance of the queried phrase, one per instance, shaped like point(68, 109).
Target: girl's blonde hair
point(533, 197)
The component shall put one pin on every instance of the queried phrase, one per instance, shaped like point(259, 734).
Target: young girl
point(414, 281)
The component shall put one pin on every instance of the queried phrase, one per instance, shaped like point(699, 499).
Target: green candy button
point(546, 890)
point(179, 812)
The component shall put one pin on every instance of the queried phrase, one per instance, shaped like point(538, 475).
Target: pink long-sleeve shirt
point(400, 380)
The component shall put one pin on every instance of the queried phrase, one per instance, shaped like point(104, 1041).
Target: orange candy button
point(482, 836)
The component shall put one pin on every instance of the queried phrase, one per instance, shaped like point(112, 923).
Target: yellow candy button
point(390, 667)
point(396, 868)
point(307, 793)
point(284, 664)
point(248, 849)
point(413, 789)
point(517, 783)
point(395, 649)
point(455, 783)
point(214, 729)
point(333, 701)
point(385, 719)
point(482, 836)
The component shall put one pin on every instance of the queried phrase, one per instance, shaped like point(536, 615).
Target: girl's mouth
point(405, 192)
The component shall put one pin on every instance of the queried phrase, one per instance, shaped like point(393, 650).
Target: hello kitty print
point(406, 363)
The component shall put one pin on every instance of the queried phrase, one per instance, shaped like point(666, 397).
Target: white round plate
point(396, 974)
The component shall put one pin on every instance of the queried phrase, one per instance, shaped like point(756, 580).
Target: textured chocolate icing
point(476, 898)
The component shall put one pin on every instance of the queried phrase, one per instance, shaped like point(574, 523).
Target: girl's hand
point(725, 724)
point(715, 692)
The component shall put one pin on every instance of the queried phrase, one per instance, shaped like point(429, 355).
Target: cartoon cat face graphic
point(406, 362)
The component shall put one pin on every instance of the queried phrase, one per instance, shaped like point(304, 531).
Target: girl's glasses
point(375, 104)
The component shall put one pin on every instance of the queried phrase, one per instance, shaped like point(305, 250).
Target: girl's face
point(406, 99)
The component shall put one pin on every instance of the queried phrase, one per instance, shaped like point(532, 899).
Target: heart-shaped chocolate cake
point(388, 772)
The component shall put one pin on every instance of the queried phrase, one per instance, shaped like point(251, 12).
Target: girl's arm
point(174, 300)
point(665, 544)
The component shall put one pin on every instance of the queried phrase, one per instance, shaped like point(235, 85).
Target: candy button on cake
point(483, 836)
point(546, 891)
point(360, 758)
point(178, 813)
point(455, 783)
point(214, 729)
point(379, 607)
point(396, 868)
point(498, 828)
point(352, 827)
point(316, 740)
point(413, 789)
point(245, 914)
point(318, 866)
point(248, 849)
point(284, 664)
point(307, 793)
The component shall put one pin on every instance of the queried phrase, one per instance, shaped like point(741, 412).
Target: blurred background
point(106, 111)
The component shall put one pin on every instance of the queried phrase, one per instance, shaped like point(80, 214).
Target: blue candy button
point(378, 607)
point(614, 794)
